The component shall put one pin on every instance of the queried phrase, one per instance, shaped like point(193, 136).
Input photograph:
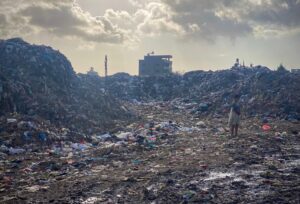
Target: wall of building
point(155, 65)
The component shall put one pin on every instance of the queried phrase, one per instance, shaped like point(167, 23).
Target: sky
point(200, 34)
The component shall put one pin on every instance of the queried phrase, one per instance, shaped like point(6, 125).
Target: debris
point(266, 127)
point(264, 93)
point(12, 150)
point(39, 83)
point(42, 99)
point(201, 124)
point(80, 147)
point(72, 138)
point(11, 120)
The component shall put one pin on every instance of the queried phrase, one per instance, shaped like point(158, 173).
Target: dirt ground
point(202, 166)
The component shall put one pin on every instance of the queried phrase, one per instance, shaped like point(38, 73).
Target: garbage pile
point(165, 157)
point(263, 91)
point(39, 84)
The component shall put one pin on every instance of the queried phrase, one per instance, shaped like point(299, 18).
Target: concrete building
point(154, 65)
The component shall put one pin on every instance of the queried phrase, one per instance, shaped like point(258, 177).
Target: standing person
point(234, 116)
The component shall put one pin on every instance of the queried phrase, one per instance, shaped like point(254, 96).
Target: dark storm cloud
point(281, 12)
point(234, 18)
point(51, 17)
point(63, 21)
point(203, 14)
point(184, 19)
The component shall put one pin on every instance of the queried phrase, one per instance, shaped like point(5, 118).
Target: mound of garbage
point(38, 85)
point(165, 157)
point(263, 91)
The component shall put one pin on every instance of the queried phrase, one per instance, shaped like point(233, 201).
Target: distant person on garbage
point(234, 116)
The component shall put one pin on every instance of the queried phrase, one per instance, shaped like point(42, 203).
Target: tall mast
point(105, 65)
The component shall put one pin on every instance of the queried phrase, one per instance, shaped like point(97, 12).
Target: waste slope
point(262, 91)
point(39, 81)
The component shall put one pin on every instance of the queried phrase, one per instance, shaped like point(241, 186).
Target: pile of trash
point(39, 84)
point(263, 91)
point(165, 157)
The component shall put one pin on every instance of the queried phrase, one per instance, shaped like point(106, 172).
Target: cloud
point(284, 13)
point(236, 18)
point(274, 18)
point(3, 20)
point(136, 3)
point(63, 19)
point(3, 25)
point(202, 19)
point(158, 18)
point(184, 19)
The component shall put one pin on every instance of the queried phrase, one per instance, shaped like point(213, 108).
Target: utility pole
point(105, 65)
point(105, 69)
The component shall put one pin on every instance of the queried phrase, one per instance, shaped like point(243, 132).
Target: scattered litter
point(16, 150)
point(266, 127)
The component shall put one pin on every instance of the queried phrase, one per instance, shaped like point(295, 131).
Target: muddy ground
point(202, 166)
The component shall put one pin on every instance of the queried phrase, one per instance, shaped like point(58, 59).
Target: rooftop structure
point(154, 65)
point(237, 64)
point(92, 72)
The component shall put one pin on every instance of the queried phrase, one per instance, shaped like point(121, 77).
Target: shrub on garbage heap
point(37, 80)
